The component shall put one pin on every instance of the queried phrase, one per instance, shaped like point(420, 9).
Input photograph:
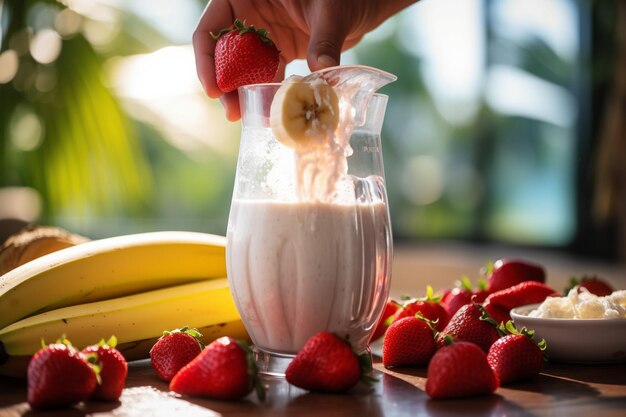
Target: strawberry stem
point(191, 331)
point(484, 316)
point(431, 323)
point(510, 328)
point(487, 269)
point(367, 367)
point(430, 296)
point(241, 28)
point(465, 283)
point(253, 372)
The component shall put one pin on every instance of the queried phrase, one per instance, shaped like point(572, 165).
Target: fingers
point(327, 36)
point(216, 16)
point(230, 101)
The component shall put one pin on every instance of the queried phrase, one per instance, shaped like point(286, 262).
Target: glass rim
point(267, 85)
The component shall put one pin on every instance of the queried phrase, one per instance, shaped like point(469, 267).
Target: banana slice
point(303, 113)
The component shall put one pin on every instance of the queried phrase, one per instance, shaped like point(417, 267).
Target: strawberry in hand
point(326, 363)
point(113, 369)
point(409, 342)
point(244, 55)
point(516, 356)
point(225, 370)
point(174, 350)
point(460, 369)
point(58, 376)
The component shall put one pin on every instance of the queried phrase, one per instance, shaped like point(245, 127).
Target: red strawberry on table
point(225, 370)
point(497, 313)
point(516, 356)
point(409, 342)
point(174, 350)
point(460, 369)
point(59, 376)
point(464, 293)
point(592, 284)
point(505, 273)
point(428, 306)
point(471, 323)
point(326, 363)
point(113, 369)
point(244, 55)
point(500, 303)
point(385, 320)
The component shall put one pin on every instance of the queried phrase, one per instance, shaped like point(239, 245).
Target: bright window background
point(106, 129)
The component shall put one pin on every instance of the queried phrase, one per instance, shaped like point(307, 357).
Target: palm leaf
point(90, 161)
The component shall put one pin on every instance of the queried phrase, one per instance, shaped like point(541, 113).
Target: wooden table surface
point(560, 390)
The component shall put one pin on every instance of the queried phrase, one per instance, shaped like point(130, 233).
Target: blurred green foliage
point(100, 169)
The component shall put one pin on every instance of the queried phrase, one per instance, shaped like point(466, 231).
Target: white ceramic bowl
point(576, 340)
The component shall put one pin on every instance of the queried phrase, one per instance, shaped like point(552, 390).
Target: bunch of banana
point(133, 287)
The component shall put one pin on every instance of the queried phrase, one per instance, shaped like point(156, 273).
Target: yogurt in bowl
point(579, 328)
point(581, 304)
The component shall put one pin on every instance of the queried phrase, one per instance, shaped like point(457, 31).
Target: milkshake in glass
point(309, 238)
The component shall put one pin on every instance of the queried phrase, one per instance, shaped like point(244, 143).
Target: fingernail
point(326, 61)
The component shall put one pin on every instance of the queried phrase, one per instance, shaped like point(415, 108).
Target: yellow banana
point(107, 268)
point(136, 320)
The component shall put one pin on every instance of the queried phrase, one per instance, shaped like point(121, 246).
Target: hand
point(317, 30)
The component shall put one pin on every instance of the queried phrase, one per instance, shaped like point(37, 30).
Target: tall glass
point(297, 267)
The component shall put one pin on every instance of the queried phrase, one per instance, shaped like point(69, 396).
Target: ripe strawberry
point(497, 313)
point(428, 306)
point(113, 369)
point(225, 370)
point(174, 350)
point(385, 320)
point(409, 342)
point(516, 356)
point(463, 293)
point(592, 284)
point(528, 292)
point(244, 55)
point(59, 376)
point(326, 363)
point(505, 273)
point(460, 370)
point(472, 324)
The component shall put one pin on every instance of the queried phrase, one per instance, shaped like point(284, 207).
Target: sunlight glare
point(45, 46)
point(9, 63)
point(513, 91)
point(162, 88)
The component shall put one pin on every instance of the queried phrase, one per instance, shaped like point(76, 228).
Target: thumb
point(327, 37)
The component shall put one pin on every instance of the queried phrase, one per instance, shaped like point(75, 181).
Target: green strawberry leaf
point(430, 295)
point(465, 283)
point(254, 380)
point(365, 362)
point(241, 28)
point(484, 316)
point(431, 323)
point(195, 333)
point(487, 269)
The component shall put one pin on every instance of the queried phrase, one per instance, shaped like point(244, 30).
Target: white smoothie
point(297, 268)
